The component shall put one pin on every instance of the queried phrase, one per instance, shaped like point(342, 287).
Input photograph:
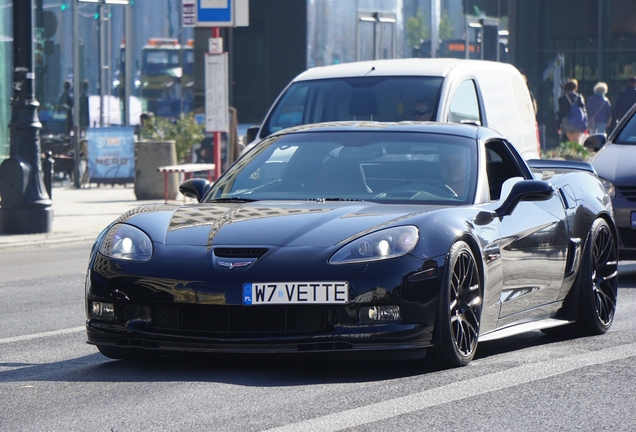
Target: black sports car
point(422, 239)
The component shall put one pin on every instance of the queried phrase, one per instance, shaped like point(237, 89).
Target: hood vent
point(240, 252)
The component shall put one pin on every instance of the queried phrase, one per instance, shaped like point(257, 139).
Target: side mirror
point(595, 142)
point(195, 188)
point(251, 133)
point(526, 190)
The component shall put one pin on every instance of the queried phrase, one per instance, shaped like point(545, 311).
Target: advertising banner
point(111, 154)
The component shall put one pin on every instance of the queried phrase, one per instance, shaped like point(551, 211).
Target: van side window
point(464, 107)
point(292, 115)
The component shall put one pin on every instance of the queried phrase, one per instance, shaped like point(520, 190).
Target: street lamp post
point(26, 207)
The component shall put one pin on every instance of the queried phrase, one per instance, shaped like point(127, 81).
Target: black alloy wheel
point(597, 281)
point(459, 313)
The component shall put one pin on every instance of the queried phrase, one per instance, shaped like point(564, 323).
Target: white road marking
point(41, 335)
point(458, 390)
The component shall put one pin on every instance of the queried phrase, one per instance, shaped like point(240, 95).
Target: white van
point(457, 91)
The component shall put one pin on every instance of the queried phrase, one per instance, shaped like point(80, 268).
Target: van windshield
point(386, 99)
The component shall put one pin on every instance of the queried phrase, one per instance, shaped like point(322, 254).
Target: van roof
point(400, 67)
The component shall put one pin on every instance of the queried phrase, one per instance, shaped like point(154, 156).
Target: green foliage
point(185, 132)
point(446, 29)
point(417, 29)
point(567, 150)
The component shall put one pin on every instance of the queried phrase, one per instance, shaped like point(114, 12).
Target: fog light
point(383, 313)
point(102, 310)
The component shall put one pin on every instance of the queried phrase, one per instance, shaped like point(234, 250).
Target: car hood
point(616, 162)
point(290, 223)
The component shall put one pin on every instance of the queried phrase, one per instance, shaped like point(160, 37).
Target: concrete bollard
point(149, 183)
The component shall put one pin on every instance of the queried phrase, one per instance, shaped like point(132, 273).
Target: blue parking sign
point(222, 13)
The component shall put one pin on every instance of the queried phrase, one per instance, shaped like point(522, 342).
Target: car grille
point(628, 192)
point(240, 252)
point(238, 319)
point(628, 237)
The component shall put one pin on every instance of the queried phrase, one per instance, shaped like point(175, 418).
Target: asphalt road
point(50, 379)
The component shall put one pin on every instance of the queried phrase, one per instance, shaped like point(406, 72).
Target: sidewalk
point(81, 214)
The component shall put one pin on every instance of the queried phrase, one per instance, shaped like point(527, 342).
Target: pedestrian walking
point(572, 117)
point(84, 109)
point(626, 99)
point(65, 106)
point(599, 110)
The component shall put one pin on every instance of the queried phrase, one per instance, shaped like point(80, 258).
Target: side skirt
point(523, 328)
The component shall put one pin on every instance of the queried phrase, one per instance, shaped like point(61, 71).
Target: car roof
point(464, 130)
point(440, 67)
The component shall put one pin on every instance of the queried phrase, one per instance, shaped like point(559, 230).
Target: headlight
point(609, 187)
point(380, 245)
point(126, 242)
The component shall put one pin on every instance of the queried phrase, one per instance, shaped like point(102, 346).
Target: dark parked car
point(416, 238)
point(615, 163)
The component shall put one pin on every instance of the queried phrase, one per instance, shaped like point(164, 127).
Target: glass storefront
point(597, 42)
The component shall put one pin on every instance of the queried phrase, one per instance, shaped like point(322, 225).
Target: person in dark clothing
point(626, 99)
point(65, 105)
point(599, 110)
point(83, 107)
point(569, 131)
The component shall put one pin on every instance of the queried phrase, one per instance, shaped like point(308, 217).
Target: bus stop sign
point(222, 13)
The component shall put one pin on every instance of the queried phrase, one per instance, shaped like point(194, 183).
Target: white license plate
point(295, 293)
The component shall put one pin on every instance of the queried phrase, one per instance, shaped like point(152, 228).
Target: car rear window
point(387, 99)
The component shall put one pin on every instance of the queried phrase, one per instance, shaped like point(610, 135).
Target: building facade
point(589, 40)
point(549, 41)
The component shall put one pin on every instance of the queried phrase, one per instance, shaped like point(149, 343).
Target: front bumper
point(394, 337)
point(168, 312)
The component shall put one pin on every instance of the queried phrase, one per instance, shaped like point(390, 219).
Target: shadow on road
point(246, 370)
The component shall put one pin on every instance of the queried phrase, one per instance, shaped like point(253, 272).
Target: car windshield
point(628, 134)
point(158, 61)
point(387, 99)
point(402, 167)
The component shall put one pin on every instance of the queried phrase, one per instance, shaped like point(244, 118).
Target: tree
point(446, 30)
point(185, 132)
point(417, 29)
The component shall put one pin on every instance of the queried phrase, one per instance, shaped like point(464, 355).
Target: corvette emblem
point(231, 265)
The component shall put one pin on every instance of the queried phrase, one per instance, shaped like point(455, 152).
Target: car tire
point(459, 312)
point(597, 281)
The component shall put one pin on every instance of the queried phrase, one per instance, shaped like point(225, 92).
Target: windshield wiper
point(233, 200)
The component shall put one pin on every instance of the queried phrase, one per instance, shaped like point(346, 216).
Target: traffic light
point(63, 7)
point(96, 16)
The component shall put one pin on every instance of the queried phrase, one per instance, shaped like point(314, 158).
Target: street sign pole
point(216, 98)
point(77, 181)
point(217, 135)
point(215, 14)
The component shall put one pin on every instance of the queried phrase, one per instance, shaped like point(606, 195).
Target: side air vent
point(240, 252)
point(629, 192)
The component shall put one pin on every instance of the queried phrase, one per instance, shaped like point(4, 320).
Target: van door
point(464, 105)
